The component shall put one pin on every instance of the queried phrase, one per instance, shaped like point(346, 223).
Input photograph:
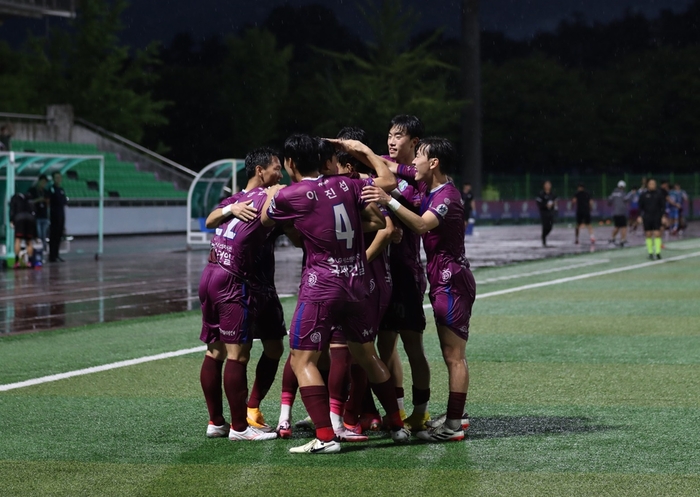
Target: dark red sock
point(358, 387)
point(315, 399)
point(236, 388)
point(386, 394)
point(420, 396)
point(339, 375)
point(368, 405)
point(290, 385)
point(210, 378)
point(264, 377)
point(399, 393)
point(455, 405)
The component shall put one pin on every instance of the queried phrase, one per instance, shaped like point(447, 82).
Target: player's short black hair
point(326, 151)
point(581, 185)
point(441, 149)
point(353, 133)
point(44, 177)
point(410, 125)
point(303, 150)
point(261, 156)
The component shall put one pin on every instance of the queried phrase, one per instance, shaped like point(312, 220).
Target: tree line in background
point(586, 98)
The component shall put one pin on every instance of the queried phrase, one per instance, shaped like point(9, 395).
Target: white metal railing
point(59, 8)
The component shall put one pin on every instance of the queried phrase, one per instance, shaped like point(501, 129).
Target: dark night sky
point(148, 20)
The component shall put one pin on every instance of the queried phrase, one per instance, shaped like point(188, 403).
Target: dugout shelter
point(20, 170)
point(207, 190)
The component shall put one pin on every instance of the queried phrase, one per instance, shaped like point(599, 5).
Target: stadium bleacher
point(122, 179)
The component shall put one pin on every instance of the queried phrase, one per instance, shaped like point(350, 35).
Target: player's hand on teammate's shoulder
point(350, 146)
point(396, 235)
point(244, 210)
point(375, 194)
point(272, 191)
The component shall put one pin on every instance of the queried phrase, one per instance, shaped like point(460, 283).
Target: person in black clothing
point(58, 202)
point(583, 202)
point(546, 201)
point(22, 220)
point(40, 198)
point(652, 205)
point(468, 200)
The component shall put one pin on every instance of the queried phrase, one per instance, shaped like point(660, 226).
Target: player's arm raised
point(418, 224)
point(242, 210)
point(264, 218)
point(381, 241)
point(385, 177)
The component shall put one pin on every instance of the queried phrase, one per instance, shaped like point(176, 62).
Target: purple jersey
point(405, 256)
point(326, 211)
point(236, 243)
point(264, 276)
point(444, 245)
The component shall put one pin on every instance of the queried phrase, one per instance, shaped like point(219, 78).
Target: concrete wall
point(82, 221)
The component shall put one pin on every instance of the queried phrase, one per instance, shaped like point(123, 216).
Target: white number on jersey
point(229, 229)
point(343, 226)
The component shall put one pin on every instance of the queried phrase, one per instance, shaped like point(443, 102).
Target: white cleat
point(441, 434)
point(214, 431)
point(435, 422)
point(401, 435)
point(316, 446)
point(250, 433)
point(345, 435)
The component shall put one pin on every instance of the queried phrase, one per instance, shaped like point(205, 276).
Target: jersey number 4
point(343, 226)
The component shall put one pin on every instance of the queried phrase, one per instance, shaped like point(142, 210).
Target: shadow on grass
point(521, 426)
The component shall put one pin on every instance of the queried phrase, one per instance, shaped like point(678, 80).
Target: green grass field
point(588, 386)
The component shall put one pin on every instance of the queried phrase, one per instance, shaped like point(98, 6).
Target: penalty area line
point(581, 277)
point(97, 369)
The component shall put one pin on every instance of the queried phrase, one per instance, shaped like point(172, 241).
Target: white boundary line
point(167, 355)
point(97, 369)
point(543, 271)
point(581, 277)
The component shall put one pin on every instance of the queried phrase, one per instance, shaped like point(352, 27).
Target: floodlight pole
point(471, 80)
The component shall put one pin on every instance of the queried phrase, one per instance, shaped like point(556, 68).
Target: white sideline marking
point(581, 277)
point(544, 271)
point(167, 355)
point(97, 369)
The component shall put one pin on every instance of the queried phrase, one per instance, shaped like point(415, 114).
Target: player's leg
point(290, 385)
point(210, 378)
point(657, 243)
point(623, 235)
point(420, 374)
point(387, 342)
point(265, 372)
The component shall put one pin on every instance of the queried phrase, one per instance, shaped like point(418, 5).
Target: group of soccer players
point(358, 218)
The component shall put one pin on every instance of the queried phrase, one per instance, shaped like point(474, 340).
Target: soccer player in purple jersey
point(225, 292)
point(405, 316)
point(330, 215)
point(452, 286)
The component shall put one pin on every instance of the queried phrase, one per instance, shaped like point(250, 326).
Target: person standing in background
point(6, 133)
point(618, 200)
point(469, 205)
point(58, 201)
point(546, 201)
point(583, 202)
point(651, 209)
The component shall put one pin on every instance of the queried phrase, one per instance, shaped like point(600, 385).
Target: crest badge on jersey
point(442, 210)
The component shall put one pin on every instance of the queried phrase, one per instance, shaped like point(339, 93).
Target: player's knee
point(273, 348)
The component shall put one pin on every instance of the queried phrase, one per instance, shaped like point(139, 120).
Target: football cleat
point(417, 422)
point(305, 424)
point(435, 422)
point(401, 435)
point(386, 422)
point(284, 430)
point(370, 421)
point(345, 435)
point(316, 446)
point(217, 431)
point(357, 429)
point(441, 434)
point(250, 433)
point(256, 419)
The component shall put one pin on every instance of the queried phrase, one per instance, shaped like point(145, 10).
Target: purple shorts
point(452, 303)
point(269, 317)
point(313, 324)
point(225, 301)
